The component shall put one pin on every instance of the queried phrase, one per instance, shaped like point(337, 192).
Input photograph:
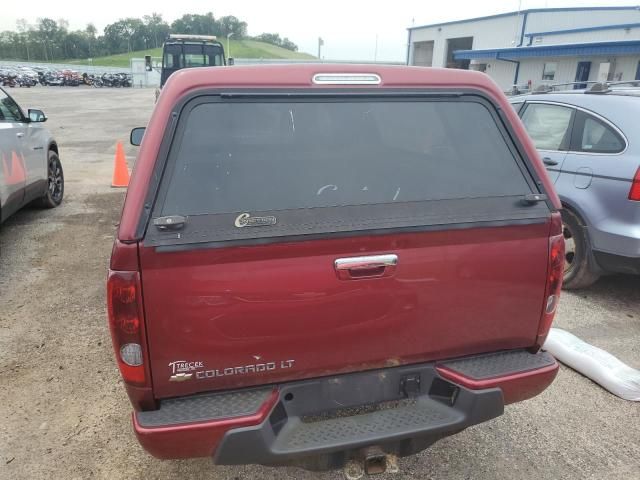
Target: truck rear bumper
point(321, 423)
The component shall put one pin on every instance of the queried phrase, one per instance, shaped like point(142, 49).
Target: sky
point(351, 29)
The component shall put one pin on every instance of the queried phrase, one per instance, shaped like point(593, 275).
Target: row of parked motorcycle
point(32, 76)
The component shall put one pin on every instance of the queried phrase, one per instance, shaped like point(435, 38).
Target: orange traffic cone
point(17, 168)
point(17, 173)
point(120, 170)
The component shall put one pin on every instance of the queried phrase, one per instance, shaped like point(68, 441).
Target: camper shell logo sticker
point(246, 220)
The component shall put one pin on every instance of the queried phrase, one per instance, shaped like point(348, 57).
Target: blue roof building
point(536, 46)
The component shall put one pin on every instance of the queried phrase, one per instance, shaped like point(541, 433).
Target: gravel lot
point(65, 415)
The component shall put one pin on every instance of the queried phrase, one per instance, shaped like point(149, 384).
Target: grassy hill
point(238, 48)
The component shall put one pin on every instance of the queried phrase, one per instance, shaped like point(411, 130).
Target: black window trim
point(518, 106)
point(566, 140)
point(277, 94)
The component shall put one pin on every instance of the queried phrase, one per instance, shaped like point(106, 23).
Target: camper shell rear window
point(328, 164)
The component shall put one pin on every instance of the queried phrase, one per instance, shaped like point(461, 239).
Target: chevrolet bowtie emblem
point(180, 377)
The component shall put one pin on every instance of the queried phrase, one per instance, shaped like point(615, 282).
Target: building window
point(549, 71)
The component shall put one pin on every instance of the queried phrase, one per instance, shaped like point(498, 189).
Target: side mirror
point(231, 61)
point(37, 115)
point(136, 136)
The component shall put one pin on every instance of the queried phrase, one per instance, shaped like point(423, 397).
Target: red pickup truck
point(320, 264)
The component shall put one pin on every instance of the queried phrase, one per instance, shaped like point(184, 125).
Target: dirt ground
point(64, 413)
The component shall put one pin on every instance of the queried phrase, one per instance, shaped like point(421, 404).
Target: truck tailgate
point(231, 317)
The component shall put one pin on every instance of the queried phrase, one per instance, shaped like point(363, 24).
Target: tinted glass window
point(235, 157)
point(173, 56)
point(548, 125)
point(9, 110)
point(194, 56)
point(195, 60)
point(599, 137)
point(213, 55)
point(181, 56)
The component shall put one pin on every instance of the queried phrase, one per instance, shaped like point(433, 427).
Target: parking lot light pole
point(228, 49)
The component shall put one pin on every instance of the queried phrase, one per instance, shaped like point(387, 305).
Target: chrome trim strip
point(372, 261)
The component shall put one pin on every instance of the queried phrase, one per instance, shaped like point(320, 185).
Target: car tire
point(55, 183)
point(577, 266)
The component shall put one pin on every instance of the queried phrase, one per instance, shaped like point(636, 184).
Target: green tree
point(125, 35)
point(157, 29)
point(10, 42)
point(289, 45)
point(274, 39)
point(194, 24)
point(25, 37)
point(90, 32)
point(60, 41)
point(231, 25)
point(52, 40)
point(47, 34)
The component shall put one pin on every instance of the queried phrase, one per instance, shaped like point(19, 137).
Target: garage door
point(423, 54)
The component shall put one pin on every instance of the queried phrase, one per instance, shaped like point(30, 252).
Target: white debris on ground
point(594, 363)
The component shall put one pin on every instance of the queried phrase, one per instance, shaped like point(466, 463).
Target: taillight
point(634, 193)
point(555, 272)
point(126, 322)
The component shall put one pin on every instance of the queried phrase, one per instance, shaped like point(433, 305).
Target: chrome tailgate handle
point(366, 267)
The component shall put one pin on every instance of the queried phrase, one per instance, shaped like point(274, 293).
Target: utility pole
point(375, 53)
point(229, 48)
point(320, 44)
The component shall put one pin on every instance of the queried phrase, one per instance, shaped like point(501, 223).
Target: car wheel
point(55, 182)
point(577, 270)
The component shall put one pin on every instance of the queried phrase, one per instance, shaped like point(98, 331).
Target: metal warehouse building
point(538, 46)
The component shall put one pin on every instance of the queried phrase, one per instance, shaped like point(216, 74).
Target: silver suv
point(590, 142)
point(30, 168)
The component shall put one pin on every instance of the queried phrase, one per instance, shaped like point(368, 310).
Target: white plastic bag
point(593, 362)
